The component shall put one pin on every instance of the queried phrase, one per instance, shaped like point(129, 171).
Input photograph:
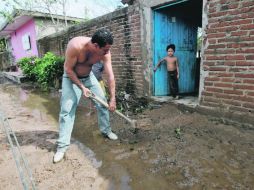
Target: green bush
point(27, 65)
point(45, 71)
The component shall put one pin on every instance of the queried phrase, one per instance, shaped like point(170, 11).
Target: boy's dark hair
point(102, 37)
point(172, 46)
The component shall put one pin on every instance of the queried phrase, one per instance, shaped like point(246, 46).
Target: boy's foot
point(112, 136)
point(58, 157)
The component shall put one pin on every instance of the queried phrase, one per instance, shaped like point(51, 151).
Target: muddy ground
point(172, 149)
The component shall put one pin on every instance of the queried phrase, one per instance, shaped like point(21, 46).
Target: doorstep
point(190, 101)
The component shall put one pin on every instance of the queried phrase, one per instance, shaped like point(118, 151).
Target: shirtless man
point(78, 80)
point(173, 69)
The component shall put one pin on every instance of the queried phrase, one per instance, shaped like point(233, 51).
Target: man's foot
point(112, 136)
point(58, 157)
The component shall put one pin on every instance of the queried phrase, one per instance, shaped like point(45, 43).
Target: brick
point(248, 81)
point(243, 87)
point(209, 104)
point(231, 80)
point(213, 57)
point(244, 51)
point(239, 109)
point(250, 94)
point(222, 74)
point(212, 79)
point(224, 85)
point(249, 105)
point(247, 27)
point(235, 57)
point(236, 92)
point(249, 57)
point(239, 33)
point(213, 89)
point(217, 68)
point(205, 93)
point(244, 75)
point(223, 96)
point(238, 69)
point(247, 4)
point(230, 102)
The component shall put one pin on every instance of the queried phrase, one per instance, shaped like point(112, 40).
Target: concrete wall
point(45, 27)
point(16, 41)
point(126, 50)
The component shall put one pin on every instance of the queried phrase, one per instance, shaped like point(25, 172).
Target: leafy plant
point(45, 71)
point(27, 65)
point(178, 132)
point(48, 70)
point(2, 45)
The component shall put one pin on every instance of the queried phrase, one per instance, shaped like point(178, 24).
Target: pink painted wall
point(16, 41)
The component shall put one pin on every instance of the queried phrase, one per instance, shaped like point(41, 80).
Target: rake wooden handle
point(116, 111)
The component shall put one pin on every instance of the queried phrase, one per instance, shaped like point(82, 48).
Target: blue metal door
point(172, 27)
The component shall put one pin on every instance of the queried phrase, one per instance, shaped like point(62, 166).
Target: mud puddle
point(173, 149)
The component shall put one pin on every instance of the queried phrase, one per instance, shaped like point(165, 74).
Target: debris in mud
point(130, 103)
point(178, 132)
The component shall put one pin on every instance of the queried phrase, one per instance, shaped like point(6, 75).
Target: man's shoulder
point(77, 43)
point(79, 40)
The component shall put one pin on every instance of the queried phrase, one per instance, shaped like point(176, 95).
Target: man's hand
point(86, 92)
point(112, 105)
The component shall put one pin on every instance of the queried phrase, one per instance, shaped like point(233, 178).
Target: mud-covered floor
point(172, 149)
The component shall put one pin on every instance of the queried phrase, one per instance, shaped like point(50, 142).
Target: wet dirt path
point(173, 149)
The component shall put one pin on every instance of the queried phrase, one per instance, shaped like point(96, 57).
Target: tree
point(47, 6)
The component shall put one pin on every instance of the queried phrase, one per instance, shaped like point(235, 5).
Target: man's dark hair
point(102, 37)
point(172, 46)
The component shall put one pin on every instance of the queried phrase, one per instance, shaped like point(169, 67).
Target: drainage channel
point(24, 171)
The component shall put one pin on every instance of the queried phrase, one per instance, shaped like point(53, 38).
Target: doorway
point(177, 23)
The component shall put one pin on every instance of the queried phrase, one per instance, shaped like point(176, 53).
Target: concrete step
point(16, 77)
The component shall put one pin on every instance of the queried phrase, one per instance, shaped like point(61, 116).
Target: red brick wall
point(126, 50)
point(229, 55)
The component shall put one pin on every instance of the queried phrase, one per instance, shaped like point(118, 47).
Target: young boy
point(173, 69)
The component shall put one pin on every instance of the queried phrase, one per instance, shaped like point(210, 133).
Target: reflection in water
point(89, 154)
point(125, 182)
point(23, 95)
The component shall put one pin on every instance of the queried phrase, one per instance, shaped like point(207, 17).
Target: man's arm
point(69, 64)
point(111, 80)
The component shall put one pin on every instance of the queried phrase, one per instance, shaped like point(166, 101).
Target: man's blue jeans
point(71, 95)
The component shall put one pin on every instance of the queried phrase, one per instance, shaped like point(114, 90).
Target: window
point(26, 42)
